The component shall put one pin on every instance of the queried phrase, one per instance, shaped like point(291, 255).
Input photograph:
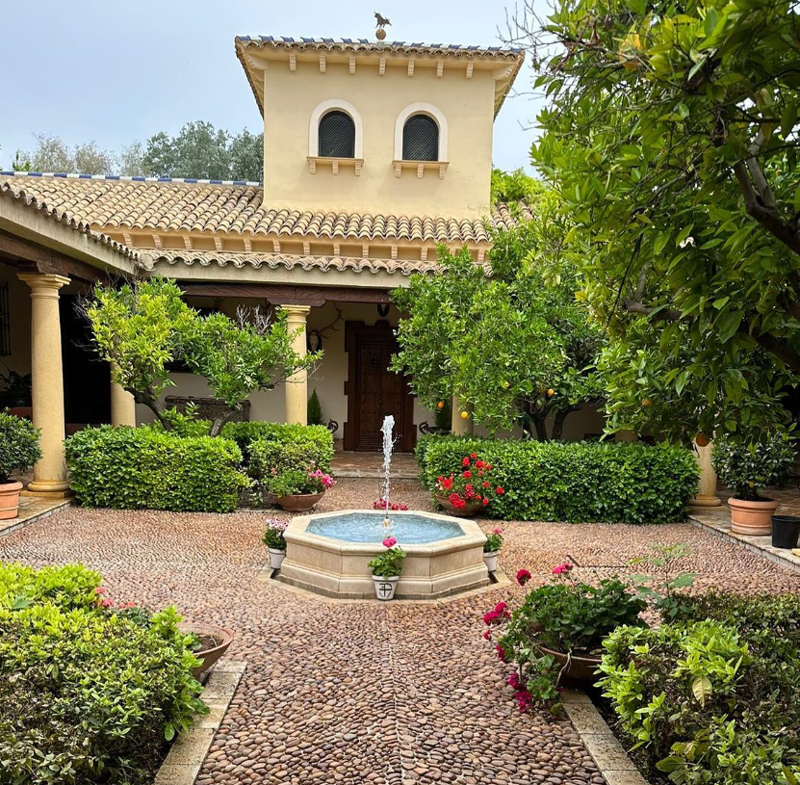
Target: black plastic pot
point(785, 531)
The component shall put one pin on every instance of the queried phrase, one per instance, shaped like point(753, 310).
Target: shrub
point(268, 456)
point(749, 467)
point(87, 695)
point(245, 433)
point(572, 481)
point(314, 410)
point(714, 700)
point(143, 468)
point(19, 446)
point(293, 482)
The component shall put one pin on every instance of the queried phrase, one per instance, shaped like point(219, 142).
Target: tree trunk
point(220, 422)
point(540, 423)
point(154, 405)
point(558, 422)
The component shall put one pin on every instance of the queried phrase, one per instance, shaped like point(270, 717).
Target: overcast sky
point(117, 71)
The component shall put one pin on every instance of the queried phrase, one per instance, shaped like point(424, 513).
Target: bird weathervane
point(381, 21)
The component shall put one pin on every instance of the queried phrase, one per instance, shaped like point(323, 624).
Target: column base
point(705, 502)
point(51, 489)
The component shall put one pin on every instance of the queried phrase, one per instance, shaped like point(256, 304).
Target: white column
point(460, 425)
point(50, 472)
point(707, 487)
point(297, 384)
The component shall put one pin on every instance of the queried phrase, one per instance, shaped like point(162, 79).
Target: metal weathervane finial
point(381, 21)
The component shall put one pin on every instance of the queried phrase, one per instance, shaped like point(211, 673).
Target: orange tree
point(672, 136)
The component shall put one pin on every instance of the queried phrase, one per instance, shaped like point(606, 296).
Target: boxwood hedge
point(314, 440)
point(572, 481)
point(144, 468)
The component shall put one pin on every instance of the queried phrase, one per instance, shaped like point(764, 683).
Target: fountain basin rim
point(472, 534)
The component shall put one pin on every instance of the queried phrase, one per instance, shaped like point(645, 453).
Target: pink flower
point(106, 603)
point(99, 590)
point(465, 462)
point(501, 655)
point(487, 635)
point(513, 681)
point(523, 699)
point(500, 607)
point(389, 542)
point(490, 618)
point(562, 568)
point(497, 530)
point(499, 491)
point(523, 576)
point(474, 456)
point(126, 605)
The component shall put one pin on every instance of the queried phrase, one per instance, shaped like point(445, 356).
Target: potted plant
point(556, 635)
point(275, 542)
point(468, 491)
point(386, 569)
point(208, 643)
point(491, 549)
point(748, 466)
point(19, 450)
point(298, 491)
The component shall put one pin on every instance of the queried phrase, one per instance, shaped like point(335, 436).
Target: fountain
point(329, 553)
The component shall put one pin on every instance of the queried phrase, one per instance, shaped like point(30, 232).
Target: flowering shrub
point(494, 541)
point(380, 504)
point(295, 482)
point(471, 485)
point(389, 563)
point(273, 536)
point(564, 616)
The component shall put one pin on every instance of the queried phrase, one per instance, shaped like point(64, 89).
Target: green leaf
point(701, 689)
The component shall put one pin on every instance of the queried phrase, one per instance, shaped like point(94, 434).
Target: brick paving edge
point(608, 754)
point(188, 753)
point(772, 556)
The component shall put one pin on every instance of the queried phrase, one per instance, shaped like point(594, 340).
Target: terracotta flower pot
point(580, 672)
point(470, 511)
point(752, 518)
point(300, 502)
point(9, 500)
point(216, 641)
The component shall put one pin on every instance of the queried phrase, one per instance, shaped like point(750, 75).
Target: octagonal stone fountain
point(328, 553)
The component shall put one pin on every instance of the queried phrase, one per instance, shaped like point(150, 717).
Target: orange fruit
point(702, 440)
point(440, 405)
point(646, 402)
point(551, 392)
point(464, 415)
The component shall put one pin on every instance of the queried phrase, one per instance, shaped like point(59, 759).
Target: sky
point(118, 71)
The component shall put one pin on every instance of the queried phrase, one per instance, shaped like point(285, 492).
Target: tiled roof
point(513, 57)
point(182, 206)
point(16, 189)
point(288, 261)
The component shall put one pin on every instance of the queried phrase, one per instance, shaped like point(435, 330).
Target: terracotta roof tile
point(181, 206)
point(19, 191)
point(273, 261)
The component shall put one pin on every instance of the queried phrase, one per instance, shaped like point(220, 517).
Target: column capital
point(296, 310)
point(43, 280)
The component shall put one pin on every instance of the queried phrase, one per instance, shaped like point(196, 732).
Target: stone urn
point(299, 502)
point(276, 558)
point(385, 587)
point(752, 518)
point(9, 500)
point(490, 560)
point(470, 511)
point(214, 642)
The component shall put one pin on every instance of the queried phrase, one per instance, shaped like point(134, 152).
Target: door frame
point(354, 333)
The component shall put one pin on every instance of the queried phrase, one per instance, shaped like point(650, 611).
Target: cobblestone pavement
point(362, 692)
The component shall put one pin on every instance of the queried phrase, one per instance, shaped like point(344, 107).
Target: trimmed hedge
point(316, 440)
point(89, 694)
point(143, 468)
point(572, 481)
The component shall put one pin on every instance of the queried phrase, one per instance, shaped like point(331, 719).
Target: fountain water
point(388, 445)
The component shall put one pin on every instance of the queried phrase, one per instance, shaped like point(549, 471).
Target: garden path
point(362, 692)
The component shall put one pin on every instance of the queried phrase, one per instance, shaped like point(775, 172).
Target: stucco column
point(707, 487)
point(297, 384)
point(50, 472)
point(460, 426)
point(123, 407)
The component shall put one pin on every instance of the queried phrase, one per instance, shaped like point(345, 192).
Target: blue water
point(368, 527)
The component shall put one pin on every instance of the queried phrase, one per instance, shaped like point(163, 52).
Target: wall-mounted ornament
point(314, 341)
point(383, 309)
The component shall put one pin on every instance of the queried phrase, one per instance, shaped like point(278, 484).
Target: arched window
point(337, 135)
point(420, 139)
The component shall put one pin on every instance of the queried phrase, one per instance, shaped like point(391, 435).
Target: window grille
point(337, 136)
point(5, 321)
point(420, 139)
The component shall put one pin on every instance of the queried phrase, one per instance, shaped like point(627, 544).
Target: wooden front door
point(373, 391)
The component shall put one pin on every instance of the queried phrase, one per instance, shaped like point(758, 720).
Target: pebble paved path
point(361, 692)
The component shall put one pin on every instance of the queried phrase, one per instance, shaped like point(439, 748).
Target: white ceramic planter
point(276, 558)
point(490, 560)
point(385, 587)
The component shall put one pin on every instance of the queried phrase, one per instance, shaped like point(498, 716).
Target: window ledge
point(420, 167)
point(315, 160)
